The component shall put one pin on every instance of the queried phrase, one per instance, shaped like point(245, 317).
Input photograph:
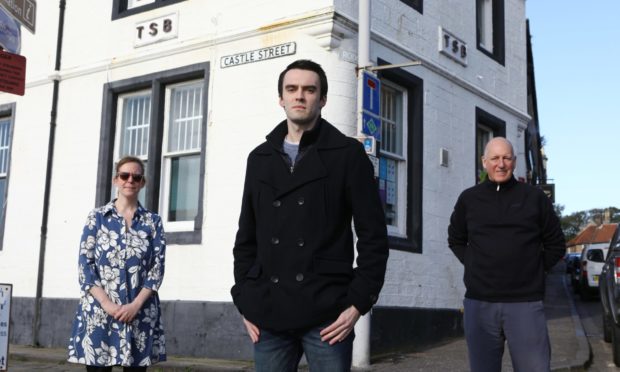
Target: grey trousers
point(489, 325)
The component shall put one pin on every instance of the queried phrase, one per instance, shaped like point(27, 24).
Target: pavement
point(570, 350)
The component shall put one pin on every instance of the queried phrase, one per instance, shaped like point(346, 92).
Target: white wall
point(242, 110)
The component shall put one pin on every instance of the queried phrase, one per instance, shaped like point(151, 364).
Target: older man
point(508, 236)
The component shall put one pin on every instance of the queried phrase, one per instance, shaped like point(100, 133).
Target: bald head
point(499, 160)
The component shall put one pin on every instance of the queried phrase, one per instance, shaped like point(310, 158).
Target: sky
point(576, 48)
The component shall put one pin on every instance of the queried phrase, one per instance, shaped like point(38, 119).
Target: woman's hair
point(130, 159)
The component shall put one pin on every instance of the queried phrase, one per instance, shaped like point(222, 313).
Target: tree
point(575, 222)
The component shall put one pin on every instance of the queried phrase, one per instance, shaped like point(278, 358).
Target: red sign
point(12, 73)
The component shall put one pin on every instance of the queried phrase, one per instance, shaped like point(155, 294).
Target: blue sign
point(10, 33)
point(371, 100)
point(372, 93)
point(371, 125)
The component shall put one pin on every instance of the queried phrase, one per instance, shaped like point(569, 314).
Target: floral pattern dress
point(122, 261)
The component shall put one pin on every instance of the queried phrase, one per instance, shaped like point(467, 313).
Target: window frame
point(415, 151)
point(7, 111)
point(119, 7)
point(400, 229)
point(417, 5)
point(491, 123)
point(157, 84)
point(498, 31)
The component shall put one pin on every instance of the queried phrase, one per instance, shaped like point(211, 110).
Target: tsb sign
point(155, 30)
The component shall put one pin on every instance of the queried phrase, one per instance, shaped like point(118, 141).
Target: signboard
point(371, 98)
point(452, 46)
point(158, 29)
point(10, 34)
point(24, 11)
point(549, 190)
point(257, 55)
point(5, 317)
point(12, 73)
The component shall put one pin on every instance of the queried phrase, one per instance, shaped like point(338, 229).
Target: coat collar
point(324, 135)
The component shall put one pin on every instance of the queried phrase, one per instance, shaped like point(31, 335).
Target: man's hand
point(252, 329)
point(340, 329)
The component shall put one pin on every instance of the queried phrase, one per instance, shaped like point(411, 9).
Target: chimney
point(607, 216)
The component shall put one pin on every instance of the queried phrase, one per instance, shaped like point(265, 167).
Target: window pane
point(184, 183)
point(5, 126)
point(185, 118)
point(391, 120)
point(2, 194)
point(135, 125)
point(485, 26)
point(137, 3)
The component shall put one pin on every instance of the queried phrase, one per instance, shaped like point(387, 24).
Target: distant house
point(599, 235)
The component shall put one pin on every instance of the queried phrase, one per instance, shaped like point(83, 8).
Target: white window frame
point(117, 141)
point(164, 200)
point(131, 4)
point(485, 15)
point(400, 228)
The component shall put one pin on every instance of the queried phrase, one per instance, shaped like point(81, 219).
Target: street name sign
point(24, 11)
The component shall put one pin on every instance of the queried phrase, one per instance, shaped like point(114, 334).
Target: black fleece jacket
point(507, 236)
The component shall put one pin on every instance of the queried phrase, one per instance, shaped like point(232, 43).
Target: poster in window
point(383, 168)
point(391, 170)
point(390, 193)
point(382, 191)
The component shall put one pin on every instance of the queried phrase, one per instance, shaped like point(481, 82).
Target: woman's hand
point(127, 312)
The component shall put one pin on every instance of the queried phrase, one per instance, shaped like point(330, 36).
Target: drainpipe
point(361, 343)
point(36, 325)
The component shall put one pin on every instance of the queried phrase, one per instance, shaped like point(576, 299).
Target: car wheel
point(615, 339)
point(607, 322)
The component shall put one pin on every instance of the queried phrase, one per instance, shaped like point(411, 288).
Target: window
point(400, 157)
point(487, 127)
point(393, 157)
point(415, 4)
point(490, 28)
point(161, 119)
point(6, 134)
point(125, 8)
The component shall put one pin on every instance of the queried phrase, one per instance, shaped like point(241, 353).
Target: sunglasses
point(135, 176)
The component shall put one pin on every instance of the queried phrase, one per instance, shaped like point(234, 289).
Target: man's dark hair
point(305, 64)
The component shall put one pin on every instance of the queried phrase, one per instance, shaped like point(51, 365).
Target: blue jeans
point(282, 351)
point(489, 325)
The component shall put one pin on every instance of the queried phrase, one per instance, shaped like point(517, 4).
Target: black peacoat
point(293, 253)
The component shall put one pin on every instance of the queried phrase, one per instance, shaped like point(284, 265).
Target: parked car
point(573, 263)
point(610, 296)
point(592, 261)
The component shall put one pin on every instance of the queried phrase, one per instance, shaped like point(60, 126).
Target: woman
point(121, 267)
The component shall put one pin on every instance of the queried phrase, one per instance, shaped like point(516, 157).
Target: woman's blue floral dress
point(122, 261)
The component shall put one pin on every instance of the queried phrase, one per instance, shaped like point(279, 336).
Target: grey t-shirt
point(291, 149)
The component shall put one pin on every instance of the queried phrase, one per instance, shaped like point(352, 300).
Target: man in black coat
point(295, 284)
point(508, 236)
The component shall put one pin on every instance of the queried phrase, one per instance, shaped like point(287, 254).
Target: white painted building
point(127, 66)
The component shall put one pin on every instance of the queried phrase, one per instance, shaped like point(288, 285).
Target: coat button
point(299, 277)
point(300, 242)
point(276, 203)
point(275, 241)
point(301, 200)
point(274, 279)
